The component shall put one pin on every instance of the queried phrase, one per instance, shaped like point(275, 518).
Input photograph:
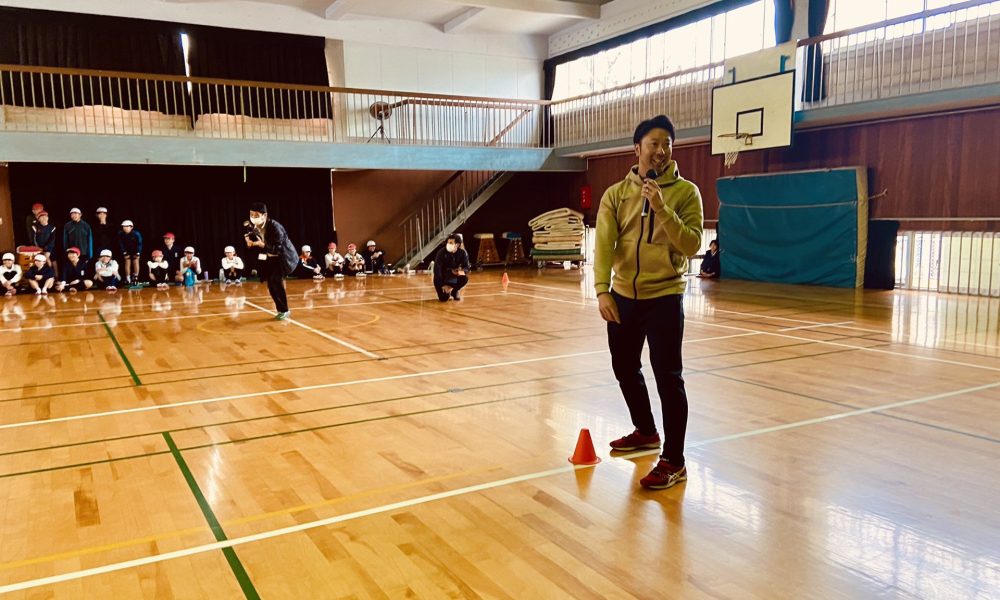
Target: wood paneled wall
point(936, 166)
point(370, 204)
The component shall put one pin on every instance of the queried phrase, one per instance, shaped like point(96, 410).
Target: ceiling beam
point(339, 8)
point(562, 8)
point(462, 21)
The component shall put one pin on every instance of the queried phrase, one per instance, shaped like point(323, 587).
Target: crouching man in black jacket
point(277, 257)
point(451, 268)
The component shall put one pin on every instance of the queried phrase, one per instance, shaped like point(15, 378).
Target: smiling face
point(654, 151)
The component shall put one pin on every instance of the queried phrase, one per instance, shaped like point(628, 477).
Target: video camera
point(250, 232)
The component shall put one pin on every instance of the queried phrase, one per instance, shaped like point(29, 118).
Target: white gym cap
point(101, 209)
point(227, 249)
point(370, 243)
point(105, 252)
point(41, 257)
point(126, 223)
point(75, 210)
point(189, 249)
point(8, 256)
point(307, 248)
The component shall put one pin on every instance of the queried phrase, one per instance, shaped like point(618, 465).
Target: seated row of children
point(352, 264)
point(78, 275)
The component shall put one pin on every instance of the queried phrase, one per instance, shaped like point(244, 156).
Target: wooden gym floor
point(384, 445)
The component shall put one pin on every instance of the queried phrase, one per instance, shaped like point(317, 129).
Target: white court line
point(580, 302)
point(549, 287)
point(265, 535)
point(746, 314)
point(862, 348)
point(229, 314)
point(824, 342)
point(88, 308)
point(322, 386)
point(322, 334)
point(817, 325)
point(826, 419)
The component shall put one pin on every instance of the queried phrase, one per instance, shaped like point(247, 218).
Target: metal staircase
point(452, 204)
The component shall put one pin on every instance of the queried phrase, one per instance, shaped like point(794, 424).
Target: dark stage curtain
point(70, 40)
point(220, 53)
point(203, 206)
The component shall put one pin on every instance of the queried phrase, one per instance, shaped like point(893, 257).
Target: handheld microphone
point(650, 174)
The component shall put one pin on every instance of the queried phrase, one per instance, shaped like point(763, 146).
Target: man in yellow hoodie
point(647, 226)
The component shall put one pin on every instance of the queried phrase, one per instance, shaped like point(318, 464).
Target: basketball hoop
point(734, 152)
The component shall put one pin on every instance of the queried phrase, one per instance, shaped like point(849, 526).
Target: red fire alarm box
point(585, 197)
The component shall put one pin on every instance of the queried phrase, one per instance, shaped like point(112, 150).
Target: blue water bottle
point(189, 278)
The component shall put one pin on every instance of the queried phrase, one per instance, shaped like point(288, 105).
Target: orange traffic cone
point(584, 453)
point(505, 281)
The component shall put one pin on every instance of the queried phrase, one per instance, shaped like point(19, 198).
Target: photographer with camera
point(277, 257)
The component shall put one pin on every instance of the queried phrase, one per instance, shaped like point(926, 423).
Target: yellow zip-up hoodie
point(649, 254)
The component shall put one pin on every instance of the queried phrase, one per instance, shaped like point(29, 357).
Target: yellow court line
point(249, 519)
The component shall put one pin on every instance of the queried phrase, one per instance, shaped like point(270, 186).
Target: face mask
point(452, 247)
point(257, 220)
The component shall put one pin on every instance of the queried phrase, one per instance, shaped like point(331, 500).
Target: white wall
point(410, 69)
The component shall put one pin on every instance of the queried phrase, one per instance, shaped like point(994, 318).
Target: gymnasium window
point(738, 31)
point(846, 14)
point(186, 46)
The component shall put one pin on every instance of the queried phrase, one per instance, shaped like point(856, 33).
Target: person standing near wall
point(647, 226)
point(277, 257)
point(77, 234)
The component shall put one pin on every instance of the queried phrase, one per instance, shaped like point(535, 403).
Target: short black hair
point(457, 237)
point(258, 207)
point(716, 242)
point(657, 122)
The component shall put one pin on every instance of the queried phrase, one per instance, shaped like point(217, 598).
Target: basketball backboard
point(753, 109)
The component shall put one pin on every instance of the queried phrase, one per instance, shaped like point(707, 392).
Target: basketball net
point(740, 139)
point(731, 157)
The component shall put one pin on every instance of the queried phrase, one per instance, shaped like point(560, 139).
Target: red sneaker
point(636, 441)
point(664, 475)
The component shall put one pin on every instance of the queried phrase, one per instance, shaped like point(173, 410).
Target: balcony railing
point(946, 48)
point(46, 99)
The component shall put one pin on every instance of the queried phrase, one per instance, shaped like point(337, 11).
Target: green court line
point(399, 398)
point(118, 347)
point(294, 413)
point(220, 536)
point(288, 433)
point(282, 368)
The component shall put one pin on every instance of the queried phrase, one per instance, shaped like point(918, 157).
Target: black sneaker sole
point(640, 447)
